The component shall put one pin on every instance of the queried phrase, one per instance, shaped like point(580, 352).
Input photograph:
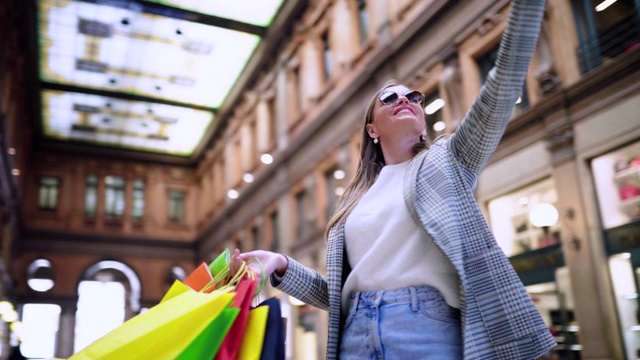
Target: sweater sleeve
point(304, 284)
point(478, 135)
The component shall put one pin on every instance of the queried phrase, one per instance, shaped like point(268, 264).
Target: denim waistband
point(412, 295)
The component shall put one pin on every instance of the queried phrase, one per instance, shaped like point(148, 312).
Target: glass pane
point(101, 308)
point(114, 195)
point(363, 17)
point(40, 327)
point(176, 205)
point(137, 208)
point(91, 195)
point(328, 66)
point(116, 48)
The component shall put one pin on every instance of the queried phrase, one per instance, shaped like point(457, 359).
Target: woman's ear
point(371, 130)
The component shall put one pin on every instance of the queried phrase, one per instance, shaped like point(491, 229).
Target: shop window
point(363, 21)
point(301, 226)
point(434, 115)
point(176, 206)
point(625, 269)
point(554, 301)
point(326, 51)
point(275, 234)
point(48, 193)
point(486, 63)
point(91, 195)
point(39, 330)
point(137, 199)
point(114, 196)
point(617, 180)
point(606, 29)
point(526, 219)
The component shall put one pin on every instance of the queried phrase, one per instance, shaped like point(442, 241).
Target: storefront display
point(526, 219)
point(617, 180)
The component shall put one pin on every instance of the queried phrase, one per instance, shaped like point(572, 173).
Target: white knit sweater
point(386, 249)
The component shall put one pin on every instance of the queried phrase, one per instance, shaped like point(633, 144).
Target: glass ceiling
point(121, 123)
point(140, 51)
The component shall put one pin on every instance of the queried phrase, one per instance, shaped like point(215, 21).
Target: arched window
point(108, 294)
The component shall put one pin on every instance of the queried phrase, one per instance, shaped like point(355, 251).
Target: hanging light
point(266, 158)
point(543, 215)
point(233, 194)
point(339, 174)
point(248, 178)
point(434, 106)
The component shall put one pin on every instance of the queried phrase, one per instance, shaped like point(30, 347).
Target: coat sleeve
point(304, 284)
point(478, 135)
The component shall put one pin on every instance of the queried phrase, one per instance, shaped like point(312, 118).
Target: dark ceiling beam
point(182, 14)
point(121, 95)
point(272, 42)
point(109, 152)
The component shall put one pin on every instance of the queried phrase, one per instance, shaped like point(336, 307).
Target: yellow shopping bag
point(253, 337)
point(163, 332)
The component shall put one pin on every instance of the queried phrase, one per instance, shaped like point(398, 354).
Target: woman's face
point(398, 119)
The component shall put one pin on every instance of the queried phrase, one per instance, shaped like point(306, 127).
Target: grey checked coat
point(499, 320)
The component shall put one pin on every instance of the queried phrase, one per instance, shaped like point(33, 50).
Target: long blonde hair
point(369, 166)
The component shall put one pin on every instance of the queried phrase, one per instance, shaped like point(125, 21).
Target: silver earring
point(421, 138)
point(375, 141)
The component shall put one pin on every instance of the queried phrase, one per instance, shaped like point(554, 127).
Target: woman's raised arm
point(478, 135)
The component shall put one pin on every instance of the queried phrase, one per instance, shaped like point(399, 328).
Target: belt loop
point(414, 299)
point(378, 298)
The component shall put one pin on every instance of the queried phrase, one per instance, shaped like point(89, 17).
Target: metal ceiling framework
point(145, 77)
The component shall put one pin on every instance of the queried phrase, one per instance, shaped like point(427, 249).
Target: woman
point(413, 270)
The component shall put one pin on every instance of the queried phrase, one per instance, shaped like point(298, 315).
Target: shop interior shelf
point(631, 174)
point(630, 204)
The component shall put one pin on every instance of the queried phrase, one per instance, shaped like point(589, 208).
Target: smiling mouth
point(403, 109)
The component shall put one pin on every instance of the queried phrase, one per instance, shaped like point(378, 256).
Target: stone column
point(381, 20)
point(66, 330)
point(344, 34)
point(590, 279)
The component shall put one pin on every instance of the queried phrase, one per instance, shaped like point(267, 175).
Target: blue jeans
point(411, 323)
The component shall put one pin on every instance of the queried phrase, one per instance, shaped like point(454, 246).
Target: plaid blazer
point(499, 320)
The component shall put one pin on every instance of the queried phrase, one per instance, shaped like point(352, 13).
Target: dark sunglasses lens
point(414, 97)
point(388, 98)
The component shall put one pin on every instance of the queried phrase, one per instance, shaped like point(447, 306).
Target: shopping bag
point(163, 332)
point(199, 278)
point(207, 344)
point(242, 301)
point(253, 337)
point(273, 344)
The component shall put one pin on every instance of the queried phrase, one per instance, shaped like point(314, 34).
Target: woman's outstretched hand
point(271, 262)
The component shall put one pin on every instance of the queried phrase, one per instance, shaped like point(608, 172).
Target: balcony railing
point(610, 42)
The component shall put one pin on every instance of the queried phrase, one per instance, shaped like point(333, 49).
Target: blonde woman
point(413, 271)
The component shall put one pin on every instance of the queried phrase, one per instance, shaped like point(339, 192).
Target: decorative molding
point(560, 143)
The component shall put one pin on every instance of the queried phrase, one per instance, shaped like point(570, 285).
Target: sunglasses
point(389, 97)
